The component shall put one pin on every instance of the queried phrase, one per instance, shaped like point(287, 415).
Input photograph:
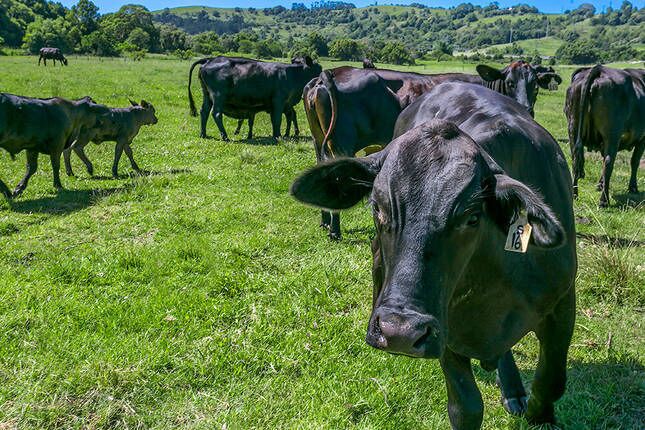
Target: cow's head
point(148, 111)
point(312, 67)
point(519, 80)
point(441, 207)
point(64, 61)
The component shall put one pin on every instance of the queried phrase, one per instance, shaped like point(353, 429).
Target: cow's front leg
point(128, 152)
point(5, 190)
point(68, 162)
point(634, 164)
point(276, 119)
point(249, 136)
point(554, 334)
point(510, 383)
point(239, 126)
point(294, 119)
point(465, 405)
point(80, 152)
point(55, 161)
point(287, 117)
point(334, 226)
point(118, 150)
point(32, 166)
point(325, 219)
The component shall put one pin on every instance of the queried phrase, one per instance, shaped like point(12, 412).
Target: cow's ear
point(544, 79)
point(338, 184)
point(144, 104)
point(308, 61)
point(510, 197)
point(489, 73)
point(132, 102)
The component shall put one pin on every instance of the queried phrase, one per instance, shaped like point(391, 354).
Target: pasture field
point(202, 296)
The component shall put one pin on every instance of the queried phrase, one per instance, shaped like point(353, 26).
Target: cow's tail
point(327, 78)
point(193, 110)
point(583, 128)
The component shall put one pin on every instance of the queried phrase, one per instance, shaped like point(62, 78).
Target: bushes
point(395, 53)
point(347, 49)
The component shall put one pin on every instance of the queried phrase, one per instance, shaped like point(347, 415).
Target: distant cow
point(548, 72)
point(365, 112)
point(46, 126)
point(232, 86)
point(605, 109)
point(368, 64)
point(448, 283)
point(51, 54)
point(119, 125)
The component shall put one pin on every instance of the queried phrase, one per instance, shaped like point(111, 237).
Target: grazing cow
point(231, 86)
point(119, 125)
point(46, 126)
point(368, 64)
point(606, 112)
point(344, 127)
point(51, 54)
point(457, 273)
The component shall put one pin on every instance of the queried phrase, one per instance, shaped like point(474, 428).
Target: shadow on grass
point(612, 242)
point(607, 394)
point(630, 200)
point(141, 173)
point(260, 141)
point(65, 202)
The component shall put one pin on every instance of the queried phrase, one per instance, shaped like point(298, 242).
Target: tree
point(347, 49)
point(317, 44)
point(47, 32)
point(396, 53)
point(207, 43)
point(140, 39)
point(119, 25)
point(172, 39)
point(98, 43)
point(581, 51)
point(87, 15)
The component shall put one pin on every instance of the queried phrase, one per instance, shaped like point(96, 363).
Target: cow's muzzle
point(408, 333)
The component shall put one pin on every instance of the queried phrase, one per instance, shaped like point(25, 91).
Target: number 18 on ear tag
point(519, 234)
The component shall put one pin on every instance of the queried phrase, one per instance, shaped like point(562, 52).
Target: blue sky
point(549, 6)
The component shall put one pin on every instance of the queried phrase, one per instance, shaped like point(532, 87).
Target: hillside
point(462, 28)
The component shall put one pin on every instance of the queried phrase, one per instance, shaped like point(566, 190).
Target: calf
point(46, 126)
point(120, 125)
point(233, 85)
point(51, 54)
point(458, 273)
point(605, 109)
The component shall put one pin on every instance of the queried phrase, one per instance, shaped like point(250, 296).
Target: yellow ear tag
point(369, 150)
point(519, 234)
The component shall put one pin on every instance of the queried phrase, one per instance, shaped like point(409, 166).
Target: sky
point(548, 6)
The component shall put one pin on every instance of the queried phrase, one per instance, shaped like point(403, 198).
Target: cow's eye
point(473, 219)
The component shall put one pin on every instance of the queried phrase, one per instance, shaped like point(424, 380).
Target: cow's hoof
point(16, 193)
point(633, 190)
point(515, 405)
point(335, 237)
point(603, 204)
point(599, 187)
point(203, 136)
point(324, 226)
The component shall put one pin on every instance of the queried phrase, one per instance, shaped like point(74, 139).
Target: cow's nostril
point(430, 332)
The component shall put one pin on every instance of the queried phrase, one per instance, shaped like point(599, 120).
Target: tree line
point(325, 28)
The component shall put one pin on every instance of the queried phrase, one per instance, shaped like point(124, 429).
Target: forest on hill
point(390, 34)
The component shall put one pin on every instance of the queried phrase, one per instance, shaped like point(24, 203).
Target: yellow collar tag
point(519, 234)
point(369, 150)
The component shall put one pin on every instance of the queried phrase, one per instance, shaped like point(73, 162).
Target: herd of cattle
point(472, 199)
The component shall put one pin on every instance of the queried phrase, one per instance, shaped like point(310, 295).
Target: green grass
point(202, 295)
point(545, 45)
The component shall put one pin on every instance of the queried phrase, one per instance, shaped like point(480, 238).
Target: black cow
point(447, 196)
point(51, 54)
point(545, 73)
point(358, 123)
point(606, 112)
point(46, 126)
point(232, 86)
point(368, 64)
point(519, 80)
point(119, 125)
